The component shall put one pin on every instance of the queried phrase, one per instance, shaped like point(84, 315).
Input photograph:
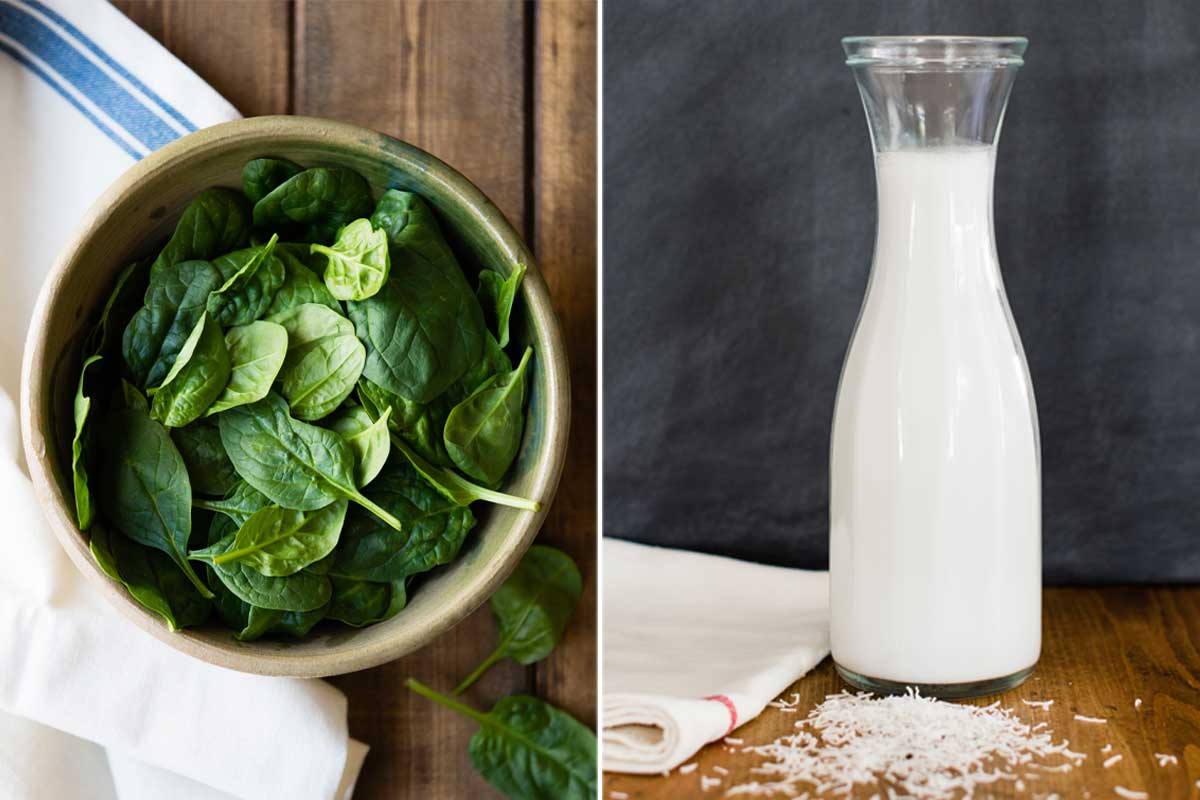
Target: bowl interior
point(137, 214)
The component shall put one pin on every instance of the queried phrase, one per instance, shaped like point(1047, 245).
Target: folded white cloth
point(90, 706)
point(696, 645)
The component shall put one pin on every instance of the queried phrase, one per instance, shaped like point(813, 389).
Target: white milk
point(935, 499)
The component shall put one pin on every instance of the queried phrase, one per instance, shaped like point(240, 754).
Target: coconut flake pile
point(906, 745)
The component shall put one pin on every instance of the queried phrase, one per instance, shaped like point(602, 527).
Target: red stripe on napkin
point(725, 701)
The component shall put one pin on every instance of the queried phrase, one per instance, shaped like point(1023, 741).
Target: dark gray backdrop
point(738, 225)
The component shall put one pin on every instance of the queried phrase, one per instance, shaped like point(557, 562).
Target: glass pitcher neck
point(934, 91)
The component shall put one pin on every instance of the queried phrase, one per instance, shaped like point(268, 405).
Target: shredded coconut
point(720, 770)
point(906, 745)
point(1137, 703)
point(1038, 703)
point(731, 740)
point(618, 796)
point(1108, 762)
point(1165, 758)
point(688, 768)
point(1106, 749)
point(1098, 720)
point(707, 783)
point(1130, 794)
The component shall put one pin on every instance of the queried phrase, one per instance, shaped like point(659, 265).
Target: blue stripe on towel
point(92, 82)
point(116, 67)
point(35, 69)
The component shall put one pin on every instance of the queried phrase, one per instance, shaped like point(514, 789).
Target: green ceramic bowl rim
point(41, 445)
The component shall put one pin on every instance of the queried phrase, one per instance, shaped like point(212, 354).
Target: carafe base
point(942, 691)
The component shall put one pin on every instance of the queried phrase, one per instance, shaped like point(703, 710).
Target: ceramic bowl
point(135, 215)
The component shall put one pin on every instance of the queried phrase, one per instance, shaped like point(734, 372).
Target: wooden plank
point(1103, 649)
point(242, 49)
point(564, 243)
point(449, 77)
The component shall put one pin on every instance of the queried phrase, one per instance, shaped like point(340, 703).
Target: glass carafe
point(935, 471)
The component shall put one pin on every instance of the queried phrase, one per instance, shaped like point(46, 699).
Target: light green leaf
point(368, 439)
point(256, 354)
point(324, 360)
point(358, 261)
point(200, 372)
point(278, 541)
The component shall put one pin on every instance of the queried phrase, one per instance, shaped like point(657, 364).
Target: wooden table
point(1102, 650)
point(504, 92)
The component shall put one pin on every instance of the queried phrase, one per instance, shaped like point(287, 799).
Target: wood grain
point(564, 242)
point(1103, 648)
point(457, 78)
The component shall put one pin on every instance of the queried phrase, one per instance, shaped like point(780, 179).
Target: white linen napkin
point(697, 645)
point(90, 706)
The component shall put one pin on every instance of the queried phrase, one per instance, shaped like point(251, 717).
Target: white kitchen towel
point(90, 706)
point(697, 645)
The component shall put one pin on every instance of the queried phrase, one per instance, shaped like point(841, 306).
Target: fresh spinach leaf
point(368, 439)
point(132, 398)
point(209, 469)
point(240, 503)
point(357, 262)
point(126, 297)
point(256, 354)
point(151, 578)
point(496, 295)
point(216, 222)
point(84, 513)
point(320, 200)
point(457, 488)
point(197, 378)
point(493, 362)
point(301, 591)
point(323, 363)
point(251, 277)
point(278, 541)
point(434, 528)
point(262, 175)
point(527, 748)
point(147, 486)
point(358, 603)
point(300, 285)
point(296, 465)
point(420, 424)
point(532, 608)
point(425, 331)
point(264, 621)
point(174, 302)
point(483, 432)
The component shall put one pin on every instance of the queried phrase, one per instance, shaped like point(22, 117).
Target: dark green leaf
point(151, 578)
point(457, 488)
point(209, 469)
point(262, 175)
point(199, 375)
point(296, 465)
point(156, 333)
point(243, 501)
point(302, 591)
point(483, 432)
point(528, 749)
point(216, 222)
point(532, 608)
point(84, 512)
point(420, 424)
point(300, 285)
point(250, 279)
point(496, 295)
point(126, 298)
point(149, 496)
point(319, 200)
point(358, 603)
point(357, 262)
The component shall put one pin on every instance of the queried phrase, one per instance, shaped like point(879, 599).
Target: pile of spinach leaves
point(286, 413)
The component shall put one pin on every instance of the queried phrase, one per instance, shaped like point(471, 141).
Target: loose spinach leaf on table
point(300, 285)
point(147, 486)
point(532, 608)
point(319, 201)
point(457, 488)
point(216, 222)
point(151, 578)
point(279, 542)
point(358, 602)
point(420, 424)
point(296, 465)
point(357, 262)
point(496, 295)
point(256, 354)
point(367, 438)
point(210, 470)
point(84, 513)
point(240, 503)
point(527, 748)
point(174, 302)
point(425, 331)
point(250, 279)
point(323, 363)
point(434, 528)
point(262, 175)
point(483, 432)
point(197, 378)
point(301, 591)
